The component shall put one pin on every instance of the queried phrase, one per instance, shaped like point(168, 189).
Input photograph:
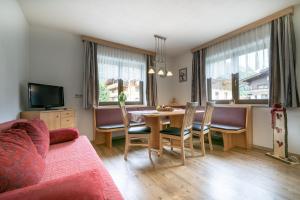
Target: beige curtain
point(90, 75)
point(283, 83)
point(151, 85)
point(198, 92)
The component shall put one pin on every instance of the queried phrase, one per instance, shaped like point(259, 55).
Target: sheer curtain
point(246, 54)
point(115, 64)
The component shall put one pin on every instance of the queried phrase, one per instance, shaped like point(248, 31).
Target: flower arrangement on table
point(164, 108)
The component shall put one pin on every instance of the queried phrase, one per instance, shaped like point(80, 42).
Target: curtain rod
point(253, 25)
point(117, 45)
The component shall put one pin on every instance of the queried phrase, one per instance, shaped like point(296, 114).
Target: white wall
point(13, 60)
point(164, 86)
point(262, 132)
point(56, 58)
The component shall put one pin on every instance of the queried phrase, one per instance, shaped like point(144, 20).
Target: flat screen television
point(45, 96)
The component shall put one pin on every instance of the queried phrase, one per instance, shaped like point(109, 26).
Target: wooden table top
point(155, 113)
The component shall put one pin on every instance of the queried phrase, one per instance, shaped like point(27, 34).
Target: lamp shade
point(151, 71)
point(169, 73)
point(161, 72)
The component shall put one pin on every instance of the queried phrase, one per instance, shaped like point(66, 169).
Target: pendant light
point(160, 61)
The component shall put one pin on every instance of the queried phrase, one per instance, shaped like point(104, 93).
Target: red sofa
point(73, 171)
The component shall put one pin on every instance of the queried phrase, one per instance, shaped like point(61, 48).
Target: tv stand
point(54, 118)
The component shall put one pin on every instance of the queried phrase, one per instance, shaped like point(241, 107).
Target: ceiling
point(185, 23)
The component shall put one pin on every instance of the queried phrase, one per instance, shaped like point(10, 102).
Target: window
point(238, 69)
point(254, 75)
point(121, 71)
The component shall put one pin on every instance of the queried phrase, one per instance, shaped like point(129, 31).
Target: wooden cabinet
point(54, 119)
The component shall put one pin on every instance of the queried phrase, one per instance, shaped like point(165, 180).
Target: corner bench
point(108, 121)
point(234, 123)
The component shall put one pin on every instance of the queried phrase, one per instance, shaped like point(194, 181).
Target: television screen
point(45, 96)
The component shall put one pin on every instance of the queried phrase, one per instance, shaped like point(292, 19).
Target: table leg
point(154, 123)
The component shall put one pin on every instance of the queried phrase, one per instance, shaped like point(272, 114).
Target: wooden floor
point(238, 174)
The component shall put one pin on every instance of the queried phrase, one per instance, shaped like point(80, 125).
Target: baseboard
point(267, 149)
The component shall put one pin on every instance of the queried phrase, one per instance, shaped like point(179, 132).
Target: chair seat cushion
point(198, 126)
point(115, 126)
point(139, 130)
point(226, 127)
point(173, 131)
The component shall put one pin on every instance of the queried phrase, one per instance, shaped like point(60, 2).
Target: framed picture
point(183, 75)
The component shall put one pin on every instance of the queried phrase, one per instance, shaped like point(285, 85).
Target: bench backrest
point(109, 116)
point(232, 116)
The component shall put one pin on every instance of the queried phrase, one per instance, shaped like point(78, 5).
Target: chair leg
point(160, 145)
point(171, 141)
point(149, 147)
point(210, 141)
point(202, 143)
point(126, 147)
point(182, 152)
point(191, 145)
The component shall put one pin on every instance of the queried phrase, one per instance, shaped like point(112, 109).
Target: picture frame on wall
point(182, 75)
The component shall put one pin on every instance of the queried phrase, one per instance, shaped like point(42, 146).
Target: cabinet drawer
point(67, 122)
point(66, 114)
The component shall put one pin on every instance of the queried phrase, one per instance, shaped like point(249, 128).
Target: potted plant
point(122, 98)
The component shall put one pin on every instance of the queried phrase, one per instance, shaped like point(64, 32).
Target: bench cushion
point(198, 126)
point(227, 127)
point(139, 130)
point(117, 126)
point(173, 131)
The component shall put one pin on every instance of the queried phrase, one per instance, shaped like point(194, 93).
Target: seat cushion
point(37, 133)
point(72, 157)
point(198, 126)
point(115, 126)
point(20, 163)
point(173, 131)
point(226, 127)
point(139, 130)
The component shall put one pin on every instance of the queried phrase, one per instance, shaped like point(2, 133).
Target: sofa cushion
point(173, 131)
point(139, 130)
point(68, 158)
point(7, 125)
point(20, 163)
point(39, 137)
point(84, 185)
point(41, 125)
point(63, 135)
point(226, 127)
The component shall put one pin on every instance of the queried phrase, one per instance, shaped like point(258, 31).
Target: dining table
point(154, 118)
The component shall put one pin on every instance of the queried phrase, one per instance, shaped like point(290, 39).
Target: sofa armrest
point(84, 185)
point(63, 135)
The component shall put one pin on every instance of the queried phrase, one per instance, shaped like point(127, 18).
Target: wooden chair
point(134, 133)
point(177, 136)
point(201, 129)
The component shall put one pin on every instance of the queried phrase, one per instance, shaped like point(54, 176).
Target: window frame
point(121, 89)
point(235, 93)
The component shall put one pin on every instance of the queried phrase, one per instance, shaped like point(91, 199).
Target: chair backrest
point(188, 118)
point(124, 115)
point(206, 121)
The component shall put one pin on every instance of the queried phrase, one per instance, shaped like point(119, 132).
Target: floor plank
point(237, 174)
